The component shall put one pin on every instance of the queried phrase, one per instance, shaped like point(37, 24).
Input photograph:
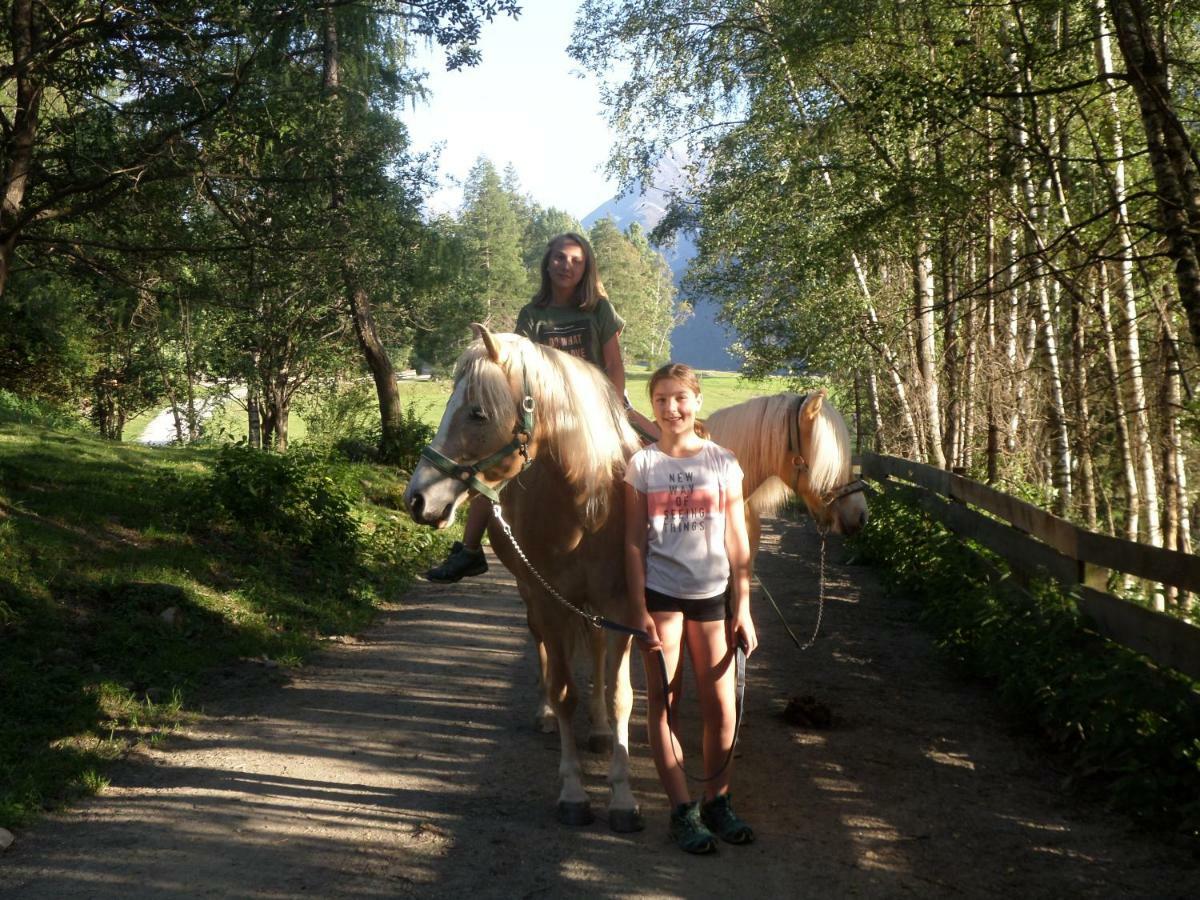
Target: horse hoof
point(576, 813)
point(600, 743)
point(626, 821)
point(545, 724)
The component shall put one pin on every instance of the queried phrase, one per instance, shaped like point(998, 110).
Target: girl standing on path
point(687, 563)
point(572, 313)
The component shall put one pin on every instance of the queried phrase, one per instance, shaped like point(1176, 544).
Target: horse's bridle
point(468, 473)
point(800, 465)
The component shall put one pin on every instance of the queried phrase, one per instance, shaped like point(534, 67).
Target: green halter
point(468, 473)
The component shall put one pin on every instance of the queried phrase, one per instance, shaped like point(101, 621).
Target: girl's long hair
point(590, 289)
point(686, 376)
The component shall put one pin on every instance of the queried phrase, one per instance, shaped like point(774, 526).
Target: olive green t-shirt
point(571, 330)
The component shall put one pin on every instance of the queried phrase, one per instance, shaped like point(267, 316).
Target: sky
point(526, 104)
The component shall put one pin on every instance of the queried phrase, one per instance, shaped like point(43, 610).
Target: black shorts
point(701, 609)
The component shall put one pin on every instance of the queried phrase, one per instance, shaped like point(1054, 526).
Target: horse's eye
point(478, 415)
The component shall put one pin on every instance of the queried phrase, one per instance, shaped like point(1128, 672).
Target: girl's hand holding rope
point(741, 631)
point(651, 642)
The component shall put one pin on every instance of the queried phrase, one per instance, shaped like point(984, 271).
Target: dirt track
point(405, 763)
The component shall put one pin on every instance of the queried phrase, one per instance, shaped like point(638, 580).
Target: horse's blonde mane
point(578, 418)
point(757, 433)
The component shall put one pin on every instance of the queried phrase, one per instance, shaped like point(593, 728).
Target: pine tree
point(491, 234)
point(639, 285)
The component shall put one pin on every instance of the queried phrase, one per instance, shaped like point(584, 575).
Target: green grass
point(720, 389)
point(97, 541)
point(429, 398)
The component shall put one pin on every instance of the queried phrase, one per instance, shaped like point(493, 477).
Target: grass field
point(429, 398)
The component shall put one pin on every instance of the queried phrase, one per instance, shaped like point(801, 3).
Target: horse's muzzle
point(422, 514)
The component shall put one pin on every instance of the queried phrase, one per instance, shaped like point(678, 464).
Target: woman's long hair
point(590, 289)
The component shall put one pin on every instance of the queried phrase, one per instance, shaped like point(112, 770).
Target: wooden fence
point(1034, 542)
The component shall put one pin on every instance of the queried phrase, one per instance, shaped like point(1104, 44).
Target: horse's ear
point(489, 341)
point(812, 406)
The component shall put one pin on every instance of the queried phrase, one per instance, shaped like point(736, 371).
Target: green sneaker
point(719, 816)
point(689, 832)
point(461, 563)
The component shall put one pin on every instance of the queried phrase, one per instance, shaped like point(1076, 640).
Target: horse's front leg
point(544, 719)
point(623, 812)
point(600, 736)
point(573, 805)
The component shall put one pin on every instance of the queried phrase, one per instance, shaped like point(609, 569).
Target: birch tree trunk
point(970, 343)
point(878, 443)
point(1142, 446)
point(1177, 522)
point(1083, 418)
point(922, 273)
point(1120, 418)
point(1169, 402)
point(1024, 123)
point(889, 357)
point(189, 362)
point(994, 429)
point(951, 342)
point(1172, 158)
point(254, 419)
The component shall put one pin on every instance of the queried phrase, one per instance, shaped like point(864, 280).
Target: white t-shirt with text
point(685, 528)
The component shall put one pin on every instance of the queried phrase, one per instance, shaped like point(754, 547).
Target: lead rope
point(598, 621)
point(820, 598)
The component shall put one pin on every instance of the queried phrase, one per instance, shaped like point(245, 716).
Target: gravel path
point(403, 762)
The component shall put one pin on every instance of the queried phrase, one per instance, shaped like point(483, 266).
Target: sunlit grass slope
point(122, 597)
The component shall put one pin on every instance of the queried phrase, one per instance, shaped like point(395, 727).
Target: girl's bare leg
point(478, 514)
point(664, 745)
point(716, 687)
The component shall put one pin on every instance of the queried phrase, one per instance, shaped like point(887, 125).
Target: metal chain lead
point(591, 617)
point(820, 599)
point(820, 592)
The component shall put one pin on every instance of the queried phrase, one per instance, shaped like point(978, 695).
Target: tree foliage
point(976, 216)
point(641, 287)
point(213, 191)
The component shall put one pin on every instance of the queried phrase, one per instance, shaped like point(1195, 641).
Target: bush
point(345, 420)
point(32, 411)
point(1125, 726)
point(338, 410)
point(299, 497)
point(412, 436)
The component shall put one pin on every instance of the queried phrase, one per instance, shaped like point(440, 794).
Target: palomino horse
point(791, 443)
point(515, 401)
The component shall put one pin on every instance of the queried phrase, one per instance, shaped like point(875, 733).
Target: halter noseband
point(468, 473)
point(800, 465)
